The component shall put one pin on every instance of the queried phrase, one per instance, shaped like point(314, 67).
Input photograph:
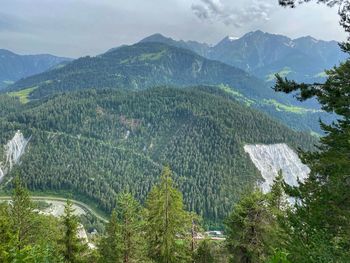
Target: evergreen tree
point(73, 246)
point(124, 241)
point(22, 216)
point(204, 253)
point(250, 232)
point(277, 197)
point(110, 247)
point(7, 237)
point(131, 226)
point(168, 224)
point(319, 226)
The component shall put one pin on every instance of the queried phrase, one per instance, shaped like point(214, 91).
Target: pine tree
point(73, 246)
point(124, 241)
point(319, 226)
point(168, 224)
point(250, 229)
point(204, 253)
point(277, 198)
point(22, 216)
point(131, 226)
point(7, 237)
point(110, 247)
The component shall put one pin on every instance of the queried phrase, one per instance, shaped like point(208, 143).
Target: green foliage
point(79, 143)
point(251, 229)
point(22, 215)
point(124, 240)
point(147, 65)
point(142, 66)
point(204, 253)
point(131, 225)
point(279, 257)
point(25, 235)
point(73, 247)
point(167, 222)
point(319, 226)
point(22, 95)
point(110, 244)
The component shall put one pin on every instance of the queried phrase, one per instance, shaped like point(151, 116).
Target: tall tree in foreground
point(131, 226)
point(124, 241)
point(73, 246)
point(204, 253)
point(320, 225)
point(22, 216)
point(110, 247)
point(250, 229)
point(168, 224)
point(7, 236)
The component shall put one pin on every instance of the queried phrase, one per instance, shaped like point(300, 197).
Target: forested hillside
point(142, 66)
point(100, 142)
point(146, 65)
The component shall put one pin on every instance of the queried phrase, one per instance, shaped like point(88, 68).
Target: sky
point(75, 28)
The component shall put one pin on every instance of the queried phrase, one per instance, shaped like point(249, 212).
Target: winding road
point(60, 199)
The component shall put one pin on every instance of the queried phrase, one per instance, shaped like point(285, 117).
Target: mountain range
point(264, 54)
point(148, 64)
point(14, 66)
point(97, 126)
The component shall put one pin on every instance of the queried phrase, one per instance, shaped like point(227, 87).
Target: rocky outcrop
point(13, 151)
point(269, 159)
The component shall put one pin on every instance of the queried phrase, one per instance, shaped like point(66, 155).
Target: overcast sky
point(88, 27)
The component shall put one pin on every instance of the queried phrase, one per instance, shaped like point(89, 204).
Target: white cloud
point(237, 15)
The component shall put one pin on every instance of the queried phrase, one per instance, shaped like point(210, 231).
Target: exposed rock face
point(13, 151)
point(269, 159)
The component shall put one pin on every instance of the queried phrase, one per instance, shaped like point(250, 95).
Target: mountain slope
point(142, 66)
point(199, 48)
point(14, 67)
point(150, 64)
point(98, 143)
point(264, 54)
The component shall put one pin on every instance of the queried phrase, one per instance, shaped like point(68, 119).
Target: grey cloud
point(80, 27)
point(218, 10)
point(200, 11)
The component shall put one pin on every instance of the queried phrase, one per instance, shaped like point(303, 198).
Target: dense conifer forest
point(99, 143)
point(165, 164)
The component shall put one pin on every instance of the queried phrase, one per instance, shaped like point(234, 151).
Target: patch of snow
point(269, 159)
point(231, 38)
point(289, 44)
point(14, 149)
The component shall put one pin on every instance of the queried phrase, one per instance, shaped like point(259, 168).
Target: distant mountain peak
point(156, 38)
point(308, 38)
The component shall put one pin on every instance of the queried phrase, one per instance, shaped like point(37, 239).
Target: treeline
point(161, 231)
point(99, 143)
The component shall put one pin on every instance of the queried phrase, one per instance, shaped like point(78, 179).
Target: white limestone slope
point(269, 159)
point(13, 151)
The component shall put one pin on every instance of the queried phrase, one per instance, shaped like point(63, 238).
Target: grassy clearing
point(23, 94)
point(287, 108)
point(236, 94)
point(145, 57)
